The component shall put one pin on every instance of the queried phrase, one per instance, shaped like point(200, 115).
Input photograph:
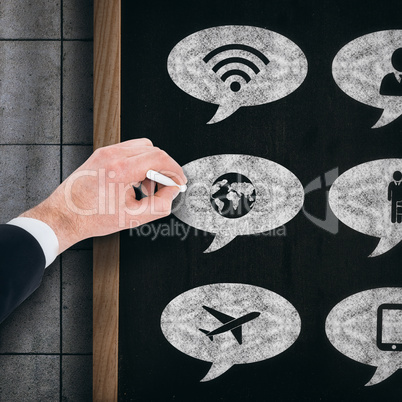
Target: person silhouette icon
point(395, 196)
point(391, 84)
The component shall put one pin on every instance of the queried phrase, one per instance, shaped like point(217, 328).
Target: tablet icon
point(367, 327)
point(389, 327)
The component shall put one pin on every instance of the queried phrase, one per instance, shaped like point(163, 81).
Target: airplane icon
point(229, 324)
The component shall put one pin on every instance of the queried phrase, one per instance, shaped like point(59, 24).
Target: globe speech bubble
point(366, 198)
point(367, 328)
point(230, 323)
point(269, 193)
point(364, 70)
point(236, 65)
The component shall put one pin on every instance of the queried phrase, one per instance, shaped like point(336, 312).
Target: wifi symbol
point(235, 86)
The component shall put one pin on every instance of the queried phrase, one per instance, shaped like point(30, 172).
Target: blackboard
point(317, 132)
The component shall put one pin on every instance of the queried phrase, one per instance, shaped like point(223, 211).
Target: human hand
point(98, 199)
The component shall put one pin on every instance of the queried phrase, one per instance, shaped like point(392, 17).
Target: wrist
point(58, 219)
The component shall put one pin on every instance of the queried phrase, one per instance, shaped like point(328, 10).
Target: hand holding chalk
point(81, 200)
point(166, 181)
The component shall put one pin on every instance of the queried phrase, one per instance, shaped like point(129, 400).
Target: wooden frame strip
point(107, 105)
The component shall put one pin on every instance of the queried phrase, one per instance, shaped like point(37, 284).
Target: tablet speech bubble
point(230, 323)
point(232, 195)
point(362, 327)
point(236, 65)
point(363, 67)
point(366, 198)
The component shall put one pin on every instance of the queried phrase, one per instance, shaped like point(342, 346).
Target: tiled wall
point(45, 133)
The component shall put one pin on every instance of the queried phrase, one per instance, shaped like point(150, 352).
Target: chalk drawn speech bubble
point(188, 320)
point(360, 199)
point(279, 196)
point(353, 327)
point(360, 67)
point(236, 65)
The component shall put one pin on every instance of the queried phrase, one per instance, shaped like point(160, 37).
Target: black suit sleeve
point(21, 267)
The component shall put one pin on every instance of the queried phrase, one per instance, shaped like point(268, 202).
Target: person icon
point(391, 84)
point(395, 196)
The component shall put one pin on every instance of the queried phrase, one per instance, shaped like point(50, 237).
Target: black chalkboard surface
point(317, 132)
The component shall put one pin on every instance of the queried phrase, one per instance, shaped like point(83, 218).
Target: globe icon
point(232, 195)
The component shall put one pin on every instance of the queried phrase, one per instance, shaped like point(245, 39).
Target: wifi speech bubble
point(232, 195)
point(368, 70)
point(234, 66)
point(368, 198)
point(230, 323)
point(367, 328)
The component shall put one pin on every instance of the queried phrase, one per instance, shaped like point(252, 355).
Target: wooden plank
point(107, 56)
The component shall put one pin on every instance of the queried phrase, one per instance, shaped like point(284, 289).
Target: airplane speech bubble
point(367, 328)
point(230, 323)
point(235, 65)
point(363, 67)
point(365, 198)
point(232, 195)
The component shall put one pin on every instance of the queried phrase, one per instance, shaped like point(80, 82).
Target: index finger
point(157, 160)
point(135, 143)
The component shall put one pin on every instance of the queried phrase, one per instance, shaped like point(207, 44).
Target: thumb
point(170, 192)
point(164, 197)
point(151, 208)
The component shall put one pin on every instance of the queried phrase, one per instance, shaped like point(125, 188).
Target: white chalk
point(166, 181)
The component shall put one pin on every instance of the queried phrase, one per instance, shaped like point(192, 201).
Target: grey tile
point(34, 327)
point(78, 19)
point(29, 378)
point(30, 19)
point(77, 301)
point(77, 92)
point(73, 157)
point(29, 92)
point(28, 175)
point(77, 378)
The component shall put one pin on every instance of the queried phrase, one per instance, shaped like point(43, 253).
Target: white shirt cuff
point(43, 233)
